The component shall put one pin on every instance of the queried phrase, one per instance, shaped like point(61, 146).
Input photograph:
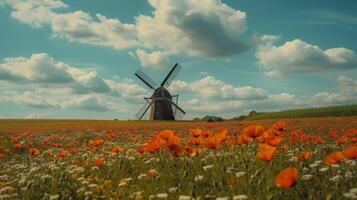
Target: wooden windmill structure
point(161, 101)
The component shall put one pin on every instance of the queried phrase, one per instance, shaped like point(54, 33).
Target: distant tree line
point(220, 119)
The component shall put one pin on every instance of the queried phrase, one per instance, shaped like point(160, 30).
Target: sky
point(77, 59)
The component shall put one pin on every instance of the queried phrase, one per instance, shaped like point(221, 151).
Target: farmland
point(309, 158)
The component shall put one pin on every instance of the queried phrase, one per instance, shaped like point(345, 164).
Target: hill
point(333, 111)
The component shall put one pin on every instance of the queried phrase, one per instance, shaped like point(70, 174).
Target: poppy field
point(309, 158)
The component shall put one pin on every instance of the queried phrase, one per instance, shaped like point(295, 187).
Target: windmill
point(161, 101)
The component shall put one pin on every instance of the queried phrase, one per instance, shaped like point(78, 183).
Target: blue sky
point(76, 59)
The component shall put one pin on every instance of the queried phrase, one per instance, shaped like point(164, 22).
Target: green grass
point(334, 111)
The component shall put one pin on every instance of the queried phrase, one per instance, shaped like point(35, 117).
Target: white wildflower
point(173, 189)
point(240, 197)
point(162, 196)
point(141, 176)
point(84, 182)
point(184, 197)
point(222, 198)
point(207, 167)
point(306, 177)
point(323, 169)
point(55, 197)
point(239, 174)
point(198, 178)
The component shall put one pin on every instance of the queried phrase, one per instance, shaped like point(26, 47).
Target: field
point(309, 158)
point(333, 111)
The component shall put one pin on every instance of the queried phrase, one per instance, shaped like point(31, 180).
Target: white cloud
point(43, 69)
point(346, 95)
point(39, 68)
point(155, 59)
point(87, 102)
point(210, 87)
point(297, 56)
point(206, 28)
point(80, 27)
point(33, 116)
point(28, 98)
point(35, 12)
point(128, 91)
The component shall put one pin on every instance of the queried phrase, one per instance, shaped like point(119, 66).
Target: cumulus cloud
point(210, 87)
point(27, 98)
point(81, 27)
point(34, 12)
point(128, 91)
point(87, 102)
point(206, 28)
point(297, 56)
point(347, 93)
point(41, 68)
point(155, 59)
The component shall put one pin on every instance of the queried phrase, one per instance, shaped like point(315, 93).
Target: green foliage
point(209, 119)
point(335, 111)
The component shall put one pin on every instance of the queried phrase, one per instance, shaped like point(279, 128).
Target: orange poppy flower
point(117, 149)
point(74, 151)
point(350, 152)
point(353, 140)
point(17, 146)
point(1, 156)
point(222, 135)
point(35, 152)
point(305, 156)
point(166, 134)
point(62, 154)
point(273, 140)
point(342, 139)
point(253, 131)
point(278, 127)
point(242, 139)
point(266, 152)
point(334, 158)
point(196, 132)
point(154, 145)
point(286, 178)
point(211, 142)
point(99, 163)
point(196, 140)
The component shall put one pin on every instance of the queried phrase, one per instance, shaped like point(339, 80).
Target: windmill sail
point(141, 113)
point(171, 76)
point(179, 112)
point(146, 79)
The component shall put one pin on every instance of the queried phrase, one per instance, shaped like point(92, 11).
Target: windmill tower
point(161, 101)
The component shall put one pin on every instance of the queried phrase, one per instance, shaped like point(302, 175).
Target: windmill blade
point(140, 114)
point(179, 112)
point(171, 75)
point(146, 79)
